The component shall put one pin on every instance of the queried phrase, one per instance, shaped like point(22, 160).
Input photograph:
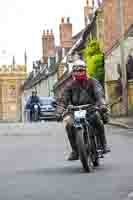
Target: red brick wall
point(111, 20)
point(128, 12)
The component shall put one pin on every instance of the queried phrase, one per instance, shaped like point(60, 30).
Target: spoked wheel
point(35, 116)
point(95, 158)
point(82, 150)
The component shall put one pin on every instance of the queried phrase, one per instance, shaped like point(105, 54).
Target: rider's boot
point(102, 138)
point(71, 136)
point(105, 147)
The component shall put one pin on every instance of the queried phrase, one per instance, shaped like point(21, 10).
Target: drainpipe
point(120, 4)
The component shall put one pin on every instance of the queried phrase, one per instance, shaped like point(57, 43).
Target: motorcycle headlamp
point(35, 106)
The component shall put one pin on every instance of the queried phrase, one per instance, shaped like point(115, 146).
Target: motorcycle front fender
point(35, 109)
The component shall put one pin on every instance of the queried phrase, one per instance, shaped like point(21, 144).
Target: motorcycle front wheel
point(95, 158)
point(35, 116)
point(83, 155)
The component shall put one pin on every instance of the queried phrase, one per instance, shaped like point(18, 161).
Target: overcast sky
point(22, 23)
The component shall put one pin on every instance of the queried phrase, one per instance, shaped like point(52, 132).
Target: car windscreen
point(45, 101)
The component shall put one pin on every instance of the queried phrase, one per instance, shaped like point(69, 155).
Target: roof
point(65, 76)
point(76, 36)
point(41, 75)
point(81, 38)
point(81, 41)
point(30, 77)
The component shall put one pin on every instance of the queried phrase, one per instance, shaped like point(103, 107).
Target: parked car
point(47, 110)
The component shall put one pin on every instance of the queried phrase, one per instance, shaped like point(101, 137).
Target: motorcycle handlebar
point(35, 104)
point(79, 107)
point(84, 106)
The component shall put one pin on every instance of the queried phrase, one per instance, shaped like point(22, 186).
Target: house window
point(11, 91)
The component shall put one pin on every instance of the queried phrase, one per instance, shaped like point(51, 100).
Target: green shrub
point(94, 59)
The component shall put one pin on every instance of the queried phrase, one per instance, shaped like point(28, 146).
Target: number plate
point(80, 114)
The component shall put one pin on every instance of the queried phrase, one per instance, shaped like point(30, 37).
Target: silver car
point(47, 111)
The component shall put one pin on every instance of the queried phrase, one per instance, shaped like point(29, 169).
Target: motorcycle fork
point(85, 135)
point(91, 137)
point(87, 138)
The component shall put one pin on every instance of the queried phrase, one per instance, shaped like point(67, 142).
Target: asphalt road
point(33, 165)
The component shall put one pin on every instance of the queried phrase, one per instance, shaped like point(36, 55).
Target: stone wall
point(111, 74)
point(113, 59)
point(114, 98)
point(10, 97)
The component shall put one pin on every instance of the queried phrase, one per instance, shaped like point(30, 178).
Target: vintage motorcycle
point(35, 107)
point(87, 139)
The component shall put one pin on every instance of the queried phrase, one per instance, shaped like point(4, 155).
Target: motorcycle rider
point(85, 90)
point(33, 99)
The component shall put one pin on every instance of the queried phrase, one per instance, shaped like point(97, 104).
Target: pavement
point(123, 122)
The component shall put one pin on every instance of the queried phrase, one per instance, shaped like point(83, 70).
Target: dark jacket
point(32, 100)
point(89, 92)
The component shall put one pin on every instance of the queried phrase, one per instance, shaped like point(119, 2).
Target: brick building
point(111, 10)
point(111, 20)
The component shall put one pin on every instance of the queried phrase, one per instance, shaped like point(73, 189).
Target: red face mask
point(80, 75)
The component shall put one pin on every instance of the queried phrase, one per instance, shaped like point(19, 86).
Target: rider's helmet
point(79, 69)
point(34, 93)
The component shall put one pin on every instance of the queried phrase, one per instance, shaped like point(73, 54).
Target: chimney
point(44, 47)
point(25, 58)
point(62, 20)
point(51, 44)
point(88, 12)
point(25, 61)
point(48, 45)
point(13, 61)
point(65, 33)
point(68, 20)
